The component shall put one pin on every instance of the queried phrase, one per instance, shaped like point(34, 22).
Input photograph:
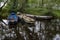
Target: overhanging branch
point(4, 4)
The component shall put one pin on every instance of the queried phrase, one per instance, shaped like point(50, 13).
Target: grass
point(57, 13)
point(36, 11)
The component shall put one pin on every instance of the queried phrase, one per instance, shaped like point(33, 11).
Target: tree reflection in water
point(40, 30)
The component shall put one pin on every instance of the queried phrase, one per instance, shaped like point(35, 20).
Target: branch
point(4, 4)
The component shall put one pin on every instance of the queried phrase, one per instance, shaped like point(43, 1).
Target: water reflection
point(37, 26)
point(57, 37)
point(43, 30)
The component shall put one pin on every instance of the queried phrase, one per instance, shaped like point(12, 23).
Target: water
point(57, 37)
point(37, 26)
point(39, 31)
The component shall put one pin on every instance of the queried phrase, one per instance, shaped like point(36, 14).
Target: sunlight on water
point(39, 29)
point(37, 26)
point(57, 37)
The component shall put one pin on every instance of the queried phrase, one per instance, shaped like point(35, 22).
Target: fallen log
point(40, 17)
point(32, 18)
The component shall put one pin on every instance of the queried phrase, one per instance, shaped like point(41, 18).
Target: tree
point(3, 5)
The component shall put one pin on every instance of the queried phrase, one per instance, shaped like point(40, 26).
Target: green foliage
point(57, 13)
point(0, 0)
point(35, 7)
point(4, 13)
